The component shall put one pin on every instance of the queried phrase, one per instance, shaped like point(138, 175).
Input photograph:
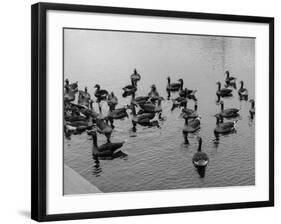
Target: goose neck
point(95, 140)
point(199, 145)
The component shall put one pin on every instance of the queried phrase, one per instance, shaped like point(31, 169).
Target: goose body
point(243, 92)
point(200, 159)
point(223, 92)
point(118, 113)
point(252, 111)
point(191, 113)
point(68, 96)
point(135, 77)
point(152, 108)
point(224, 127)
point(129, 89)
point(143, 119)
point(112, 101)
point(100, 94)
point(105, 151)
point(178, 102)
point(72, 87)
point(229, 79)
point(140, 100)
point(228, 113)
point(104, 128)
point(191, 126)
point(174, 86)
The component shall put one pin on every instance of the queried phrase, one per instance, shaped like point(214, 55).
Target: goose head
point(86, 89)
point(97, 86)
point(67, 82)
point(227, 73)
point(181, 81)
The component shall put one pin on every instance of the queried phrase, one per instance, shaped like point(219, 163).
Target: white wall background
point(15, 109)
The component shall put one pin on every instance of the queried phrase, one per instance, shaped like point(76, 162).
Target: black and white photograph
point(147, 111)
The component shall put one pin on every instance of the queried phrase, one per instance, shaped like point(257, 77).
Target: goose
point(230, 81)
point(143, 119)
point(174, 86)
point(112, 101)
point(200, 159)
point(100, 94)
point(73, 86)
point(224, 127)
point(117, 114)
point(243, 92)
point(230, 112)
point(252, 110)
point(129, 89)
point(69, 128)
point(75, 116)
point(152, 108)
point(153, 92)
point(103, 128)
point(135, 77)
point(188, 93)
point(68, 96)
point(106, 151)
point(223, 92)
point(85, 110)
point(84, 97)
point(191, 113)
point(140, 100)
point(190, 127)
point(179, 102)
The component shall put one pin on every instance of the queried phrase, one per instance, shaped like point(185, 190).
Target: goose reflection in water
point(96, 167)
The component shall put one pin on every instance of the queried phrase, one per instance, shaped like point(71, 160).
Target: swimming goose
point(186, 112)
point(200, 159)
point(230, 112)
point(68, 96)
point(143, 119)
point(112, 101)
point(152, 108)
point(190, 127)
point(140, 100)
point(179, 102)
point(188, 93)
point(224, 127)
point(73, 86)
point(103, 128)
point(129, 90)
point(223, 92)
point(243, 92)
point(135, 77)
point(252, 110)
point(230, 81)
point(100, 94)
point(106, 151)
point(174, 86)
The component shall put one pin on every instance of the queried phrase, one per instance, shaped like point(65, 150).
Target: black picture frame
point(38, 108)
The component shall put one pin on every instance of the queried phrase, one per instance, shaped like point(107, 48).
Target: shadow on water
point(201, 171)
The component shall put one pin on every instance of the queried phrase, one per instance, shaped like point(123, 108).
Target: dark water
point(157, 158)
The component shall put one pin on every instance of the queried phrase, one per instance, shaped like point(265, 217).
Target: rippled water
point(157, 158)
